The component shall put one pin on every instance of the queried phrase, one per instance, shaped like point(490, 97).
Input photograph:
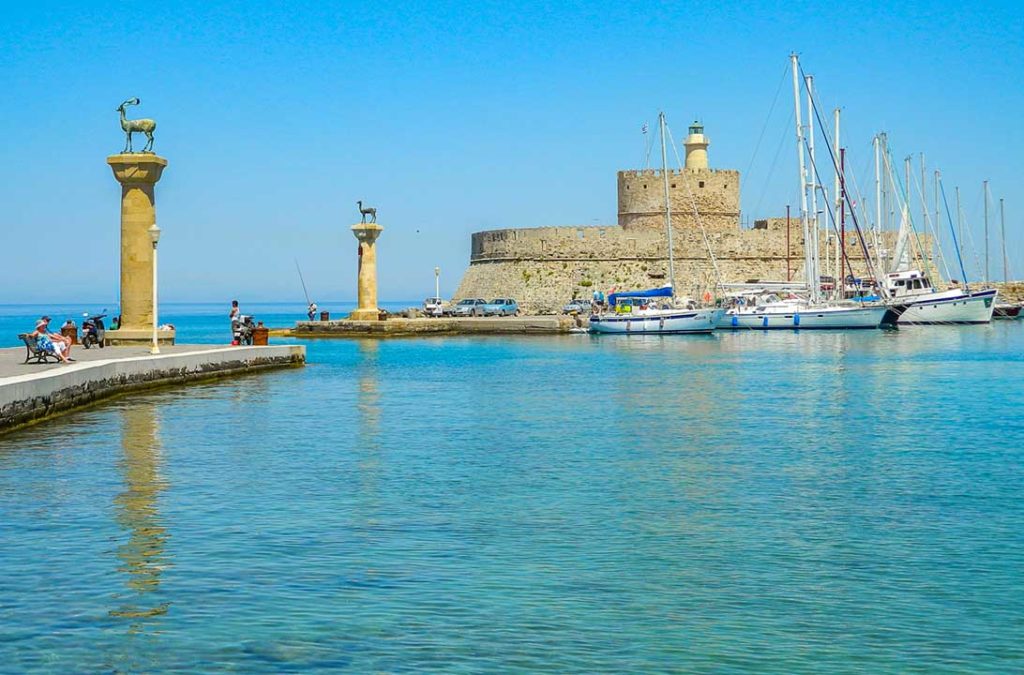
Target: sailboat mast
point(838, 290)
point(906, 202)
point(668, 206)
point(816, 275)
point(938, 229)
point(924, 211)
point(985, 191)
point(878, 202)
point(959, 226)
point(803, 171)
point(842, 222)
point(1002, 230)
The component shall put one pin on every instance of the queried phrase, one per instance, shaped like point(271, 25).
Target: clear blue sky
point(452, 118)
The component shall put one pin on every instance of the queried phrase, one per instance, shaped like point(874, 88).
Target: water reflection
point(143, 558)
point(368, 399)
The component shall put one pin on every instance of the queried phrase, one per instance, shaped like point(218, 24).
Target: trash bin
point(325, 316)
point(260, 334)
point(70, 330)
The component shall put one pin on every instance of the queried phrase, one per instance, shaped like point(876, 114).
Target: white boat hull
point(662, 322)
point(974, 307)
point(805, 318)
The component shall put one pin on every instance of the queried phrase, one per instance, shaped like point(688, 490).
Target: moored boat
point(651, 311)
point(1006, 311)
point(928, 306)
point(771, 312)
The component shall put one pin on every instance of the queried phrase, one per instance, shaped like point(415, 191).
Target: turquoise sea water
point(777, 502)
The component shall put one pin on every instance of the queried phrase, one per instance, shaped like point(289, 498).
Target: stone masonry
point(545, 267)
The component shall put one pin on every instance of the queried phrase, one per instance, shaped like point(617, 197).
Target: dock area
point(403, 327)
point(31, 391)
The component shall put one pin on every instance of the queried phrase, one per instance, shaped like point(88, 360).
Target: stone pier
point(138, 174)
point(367, 234)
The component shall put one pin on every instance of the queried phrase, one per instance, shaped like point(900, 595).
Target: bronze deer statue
point(368, 211)
point(131, 126)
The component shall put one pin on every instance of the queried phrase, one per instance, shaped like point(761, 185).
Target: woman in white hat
point(51, 342)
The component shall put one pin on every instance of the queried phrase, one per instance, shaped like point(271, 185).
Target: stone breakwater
point(1009, 291)
point(30, 392)
point(399, 327)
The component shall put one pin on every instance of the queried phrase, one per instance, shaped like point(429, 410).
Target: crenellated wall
point(715, 192)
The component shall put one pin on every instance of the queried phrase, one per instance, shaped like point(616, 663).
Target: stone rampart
point(715, 192)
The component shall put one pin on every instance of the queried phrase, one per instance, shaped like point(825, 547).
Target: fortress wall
point(641, 197)
point(543, 268)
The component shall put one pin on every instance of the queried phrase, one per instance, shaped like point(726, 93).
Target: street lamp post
point(437, 283)
point(154, 236)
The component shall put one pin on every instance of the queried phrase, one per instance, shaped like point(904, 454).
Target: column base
point(138, 336)
point(365, 315)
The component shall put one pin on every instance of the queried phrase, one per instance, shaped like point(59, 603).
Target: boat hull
point(676, 322)
point(966, 308)
point(832, 318)
point(1006, 312)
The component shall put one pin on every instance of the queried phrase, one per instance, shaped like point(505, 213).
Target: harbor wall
point(545, 267)
point(31, 397)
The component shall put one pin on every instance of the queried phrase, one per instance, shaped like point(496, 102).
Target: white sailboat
point(770, 311)
point(927, 305)
point(654, 311)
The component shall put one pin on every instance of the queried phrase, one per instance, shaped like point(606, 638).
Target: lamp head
point(154, 234)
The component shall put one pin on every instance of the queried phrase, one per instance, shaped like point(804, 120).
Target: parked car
point(577, 306)
point(433, 307)
point(469, 307)
point(501, 307)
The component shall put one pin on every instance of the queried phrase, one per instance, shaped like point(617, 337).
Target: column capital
point(137, 168)
point(367, 233)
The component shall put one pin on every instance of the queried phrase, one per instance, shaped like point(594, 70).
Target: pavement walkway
point(12, 359)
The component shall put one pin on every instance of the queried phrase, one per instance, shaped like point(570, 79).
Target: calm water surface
point(781, 502)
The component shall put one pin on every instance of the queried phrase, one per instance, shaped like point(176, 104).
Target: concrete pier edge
point(32, 398)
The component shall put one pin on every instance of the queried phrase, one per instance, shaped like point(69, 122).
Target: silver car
point(469, 307)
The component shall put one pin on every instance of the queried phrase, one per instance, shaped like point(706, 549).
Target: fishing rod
point(303, 282)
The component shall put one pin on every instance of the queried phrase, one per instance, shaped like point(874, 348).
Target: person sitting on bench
point(51, 342)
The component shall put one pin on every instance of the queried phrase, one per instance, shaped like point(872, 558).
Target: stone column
point(138, 174)
point(367, 234)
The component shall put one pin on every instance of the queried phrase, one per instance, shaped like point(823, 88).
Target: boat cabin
point(911, 282)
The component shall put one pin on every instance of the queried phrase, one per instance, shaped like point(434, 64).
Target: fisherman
point(312, 311)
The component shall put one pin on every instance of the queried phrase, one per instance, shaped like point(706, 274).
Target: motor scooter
point(93, 330)
point(241, 330)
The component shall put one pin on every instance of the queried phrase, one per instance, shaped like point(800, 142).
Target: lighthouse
point(696, 147)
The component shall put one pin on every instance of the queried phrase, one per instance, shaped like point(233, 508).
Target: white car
point(433, 307)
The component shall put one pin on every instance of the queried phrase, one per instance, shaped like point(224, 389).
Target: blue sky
point(453, 118)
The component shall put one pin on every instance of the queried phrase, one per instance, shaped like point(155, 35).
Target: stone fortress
point(545, 267)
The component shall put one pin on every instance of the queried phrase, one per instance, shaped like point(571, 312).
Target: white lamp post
point(154, 236)
point(437, 283)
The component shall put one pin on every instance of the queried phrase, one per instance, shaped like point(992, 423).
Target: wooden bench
point(32, 352)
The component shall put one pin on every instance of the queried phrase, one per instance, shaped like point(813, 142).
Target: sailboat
point(653, 311)
point(772, 311)
point(926, 304)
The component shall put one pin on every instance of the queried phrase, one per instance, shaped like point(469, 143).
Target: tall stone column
point(138, 174)
point(367, 234)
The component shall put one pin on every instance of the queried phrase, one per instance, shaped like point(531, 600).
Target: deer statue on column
point(144, 126)
point(368, 211)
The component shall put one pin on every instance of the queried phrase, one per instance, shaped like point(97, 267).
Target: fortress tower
point(715, 192)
